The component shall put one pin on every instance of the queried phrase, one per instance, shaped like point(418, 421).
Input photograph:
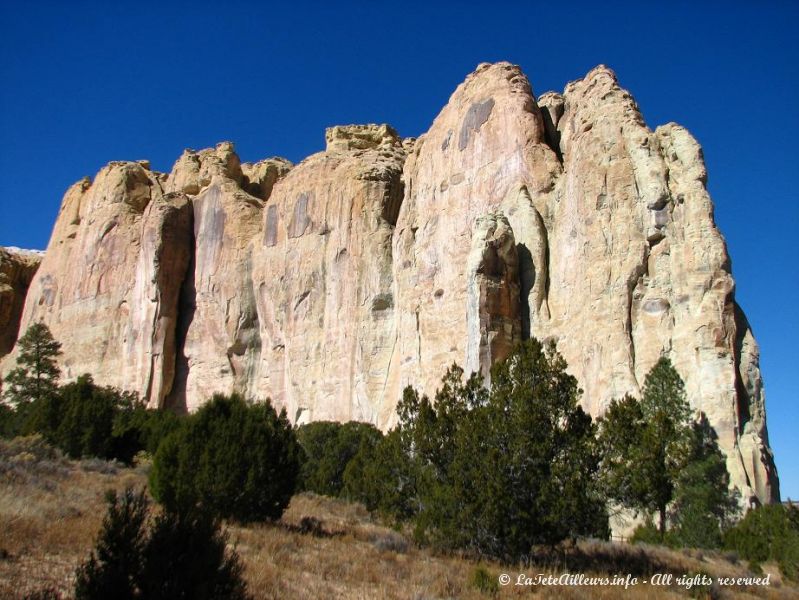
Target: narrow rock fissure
point(187, 306)
point(742, 395)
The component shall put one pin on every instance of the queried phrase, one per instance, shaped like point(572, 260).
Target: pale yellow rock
point(221, 343)
point(193, 171)
point(260, 178)
point(107, 287)
point(322, 279)
point(638, 269)
point(485, 146)
point(619, 258)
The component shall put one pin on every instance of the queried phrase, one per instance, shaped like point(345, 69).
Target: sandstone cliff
point(330, 285)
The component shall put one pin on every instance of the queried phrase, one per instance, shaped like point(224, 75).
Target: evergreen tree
point(497, 471)
point(328, 449)
point(33, 381)
point(186, 558)
point(386, 479)
point(170, 557)
point(115, 565)
point(703, 504)
point(234, 459)
point(525, 461)
point(87, 415)
point(646, 445)
point(768, 532)
point(667, 437)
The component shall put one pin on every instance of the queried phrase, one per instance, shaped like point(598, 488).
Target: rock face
point(375, 264)
point(17, 268)
point(322, 278)
point(109, 281)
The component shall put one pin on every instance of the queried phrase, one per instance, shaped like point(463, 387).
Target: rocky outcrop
point(322, 279)
point(489, 139)
point(109, 281)
point(17, 268)
point(638, 269)
point(220, 343)
point(261, 177)
point(375, 264)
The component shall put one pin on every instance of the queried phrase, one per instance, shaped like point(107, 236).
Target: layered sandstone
point(218, 337)
point(322, 278)
point(378, 262)
point(109, 281)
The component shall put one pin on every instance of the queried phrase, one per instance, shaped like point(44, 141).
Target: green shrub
point(86, 419)
point(234, 459)
point(138, 429)
point(172, 556)
point(755, 567)
point(383, 477)
point(493, 472)
point(766, 533)
point(328, 449)
point(648, 533)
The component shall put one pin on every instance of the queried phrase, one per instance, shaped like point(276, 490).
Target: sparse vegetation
point(47, 533)
point(509, 474)
point(482, 580)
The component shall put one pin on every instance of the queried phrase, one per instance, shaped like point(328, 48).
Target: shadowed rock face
point(17, 268)
point(377, 263)
point(493, 312)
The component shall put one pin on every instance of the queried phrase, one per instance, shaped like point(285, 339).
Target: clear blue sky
point(84, 83)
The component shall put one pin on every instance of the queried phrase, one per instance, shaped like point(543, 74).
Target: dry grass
point(51, 509)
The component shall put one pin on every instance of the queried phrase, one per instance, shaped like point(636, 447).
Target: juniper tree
point(494, 472)
point(165, 557)
point(703, 504)
point(645, 445)
point(234, 459)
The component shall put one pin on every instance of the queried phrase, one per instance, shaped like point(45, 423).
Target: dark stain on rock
point(656, 306)
point(382, 302)
point(445, 143)
point(270, 235)
point(526, 283)
point(300, 222)
point(477, 114)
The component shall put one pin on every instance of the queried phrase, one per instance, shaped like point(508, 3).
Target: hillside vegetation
point(51, 510)
point(478, 491)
